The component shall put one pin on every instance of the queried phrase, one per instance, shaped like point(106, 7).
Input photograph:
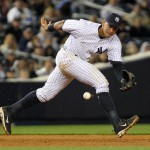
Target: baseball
point(87, 96)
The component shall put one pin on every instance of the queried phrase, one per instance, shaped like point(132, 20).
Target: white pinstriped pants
point(69, 67)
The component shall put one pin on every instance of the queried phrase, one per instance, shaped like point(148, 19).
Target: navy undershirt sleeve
point(117, 67)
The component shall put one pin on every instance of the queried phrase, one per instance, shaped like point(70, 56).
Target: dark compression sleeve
point(117, 67)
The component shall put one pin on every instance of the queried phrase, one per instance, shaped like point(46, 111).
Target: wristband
point(51, 28)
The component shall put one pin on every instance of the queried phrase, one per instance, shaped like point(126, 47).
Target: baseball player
point(72, 63)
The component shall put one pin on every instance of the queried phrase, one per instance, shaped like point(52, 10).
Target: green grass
point(75, 129)
point(62, 129)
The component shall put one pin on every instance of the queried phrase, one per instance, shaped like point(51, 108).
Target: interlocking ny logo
point(100, 50)
point(117, 19)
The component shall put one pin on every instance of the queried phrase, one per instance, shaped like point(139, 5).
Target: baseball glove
point(128, 80)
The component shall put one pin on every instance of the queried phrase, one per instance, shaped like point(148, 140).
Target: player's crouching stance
point(72, 63)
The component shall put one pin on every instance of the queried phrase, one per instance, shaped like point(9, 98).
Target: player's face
point(108, 30)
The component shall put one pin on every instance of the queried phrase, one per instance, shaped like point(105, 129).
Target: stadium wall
point(69, 107)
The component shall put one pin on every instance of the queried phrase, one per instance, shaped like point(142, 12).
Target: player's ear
point(103, 21)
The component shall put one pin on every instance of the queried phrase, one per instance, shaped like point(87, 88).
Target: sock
point(27, 101)
point(106, 102)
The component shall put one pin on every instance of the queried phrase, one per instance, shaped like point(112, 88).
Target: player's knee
point(44, 95)
point(102, 87)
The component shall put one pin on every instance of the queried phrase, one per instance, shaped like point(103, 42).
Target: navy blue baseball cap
point(114, 20)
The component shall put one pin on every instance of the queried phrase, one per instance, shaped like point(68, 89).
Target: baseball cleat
point(6, 118)
point(125, 125)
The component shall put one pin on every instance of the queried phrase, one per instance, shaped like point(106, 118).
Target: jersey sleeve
point(115, 51)
point(72, 26)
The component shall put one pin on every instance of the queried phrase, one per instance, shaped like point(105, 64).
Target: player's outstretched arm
point(126, 78)
point(49, 26)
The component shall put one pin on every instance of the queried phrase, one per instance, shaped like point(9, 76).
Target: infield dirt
point(74, 140)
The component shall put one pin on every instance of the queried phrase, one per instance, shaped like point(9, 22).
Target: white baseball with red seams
point(72, 60)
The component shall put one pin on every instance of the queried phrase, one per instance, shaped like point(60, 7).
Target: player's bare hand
point(45, 23)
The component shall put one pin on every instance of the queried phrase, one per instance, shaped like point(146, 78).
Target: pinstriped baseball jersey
point(84, 40)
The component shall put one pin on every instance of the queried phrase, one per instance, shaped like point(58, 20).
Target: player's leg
point(55, 83)
point(121, 126)
point(88, 74)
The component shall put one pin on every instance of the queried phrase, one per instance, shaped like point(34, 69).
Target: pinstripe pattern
point(84, 40)
point(72, 59)
point(55, 83)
